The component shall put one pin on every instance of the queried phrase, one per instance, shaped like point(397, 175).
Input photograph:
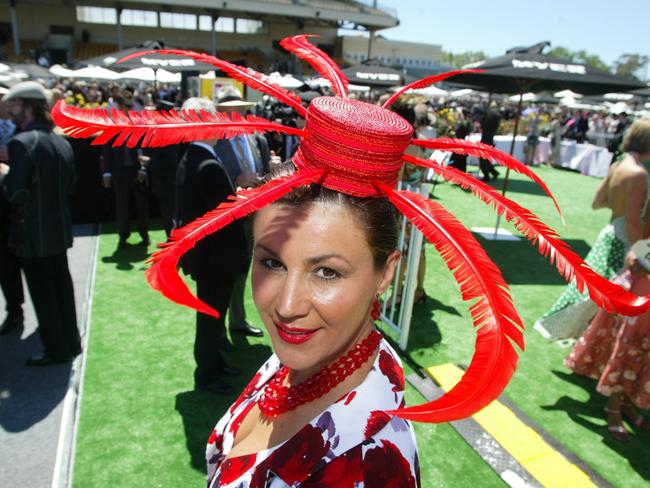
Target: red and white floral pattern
point(353, 443)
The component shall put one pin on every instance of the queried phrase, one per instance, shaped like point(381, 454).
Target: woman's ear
point(388, 272)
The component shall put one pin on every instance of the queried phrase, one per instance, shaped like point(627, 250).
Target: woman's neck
point(296, 377)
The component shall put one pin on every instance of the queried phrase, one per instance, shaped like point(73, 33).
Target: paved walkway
point(32, 399)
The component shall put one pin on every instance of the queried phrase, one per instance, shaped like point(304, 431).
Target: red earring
point(375, 311)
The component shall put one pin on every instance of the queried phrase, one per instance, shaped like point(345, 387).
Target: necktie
point(242, 154)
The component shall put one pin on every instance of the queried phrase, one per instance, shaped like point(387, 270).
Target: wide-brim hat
point(26, 90)
point(234, 103)
point(229, 96)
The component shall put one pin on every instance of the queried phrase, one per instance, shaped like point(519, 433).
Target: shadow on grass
point(424, 332)
point(200, 411)
point(520, 186)
point(508, 256)
point(583, 413)
point(125, 257)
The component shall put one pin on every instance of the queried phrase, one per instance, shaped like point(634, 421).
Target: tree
point(461, 59)
point(631, 65)
point(581, 56)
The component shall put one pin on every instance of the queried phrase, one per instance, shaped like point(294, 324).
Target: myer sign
point(377, 76)
point(167, 62)
point(577, 69)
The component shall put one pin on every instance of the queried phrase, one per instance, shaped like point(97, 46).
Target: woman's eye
point(271, 263)
point(327, 274)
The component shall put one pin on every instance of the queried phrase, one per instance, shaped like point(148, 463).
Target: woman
point(327, 409)
point(316, 302)
point(615, 350)
point(624, 192)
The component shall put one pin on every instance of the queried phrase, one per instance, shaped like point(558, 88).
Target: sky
point(607, 28)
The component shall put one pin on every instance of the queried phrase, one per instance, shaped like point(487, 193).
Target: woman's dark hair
point(377, 216)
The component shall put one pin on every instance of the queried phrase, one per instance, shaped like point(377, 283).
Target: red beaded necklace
point(277, 399)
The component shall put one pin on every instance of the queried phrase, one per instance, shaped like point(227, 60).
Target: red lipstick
point(293, 335)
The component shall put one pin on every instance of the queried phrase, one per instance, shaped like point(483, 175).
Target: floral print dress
point(353, 443)
point(615, 350)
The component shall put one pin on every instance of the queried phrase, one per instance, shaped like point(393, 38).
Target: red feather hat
point(358, 149)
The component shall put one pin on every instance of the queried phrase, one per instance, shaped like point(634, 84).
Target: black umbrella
point(152, 60)
point(529, 70)
point(373, 73)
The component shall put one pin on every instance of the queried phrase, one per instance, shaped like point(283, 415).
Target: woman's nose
point(292, 298)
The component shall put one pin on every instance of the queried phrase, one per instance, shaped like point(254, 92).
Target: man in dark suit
point(123, 172)
point(39, 183)
point(11, 280)
point(246, 158)
point(489, 126)
point(201, 184)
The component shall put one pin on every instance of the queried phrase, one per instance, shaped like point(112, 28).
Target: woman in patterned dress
point(624, 191)
point(320, 260)
point(615, 350)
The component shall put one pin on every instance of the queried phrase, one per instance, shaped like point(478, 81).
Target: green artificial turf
point(142, 423)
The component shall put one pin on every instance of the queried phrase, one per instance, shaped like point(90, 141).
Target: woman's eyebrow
point(266, 249)
point(323, 257)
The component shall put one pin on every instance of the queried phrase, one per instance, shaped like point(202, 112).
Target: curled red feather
point(250, 77)
point(493, 313)
point(424, 82)
point(480, 150)
point(157, 128)
point(603, 292)
point(163, 274)
point(328, 69)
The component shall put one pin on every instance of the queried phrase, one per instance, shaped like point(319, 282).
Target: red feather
point(321, 62)
point(257, 81)
point(604, 293)
point(163, 274)
point(154, 128)
point(493, 313)
point(424, 82)
point(484, 151)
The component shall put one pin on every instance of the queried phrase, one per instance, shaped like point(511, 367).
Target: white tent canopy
point(567, 94)
point(62, 72)
point(318, 82)
point(96, 73)
point(286, 81)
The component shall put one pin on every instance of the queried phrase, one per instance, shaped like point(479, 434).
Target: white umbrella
point(319, 82)
point(4, 67)
point(618, 96)
point(619, 108)
point(164, 76)
point(286, 81)
point(97, 73)
point(464, 92)
point(526, 97)
point(141, 74)
point(429, 91)
point(567, 94)
point(62, 72)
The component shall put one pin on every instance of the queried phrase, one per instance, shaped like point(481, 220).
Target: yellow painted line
point(544, 463)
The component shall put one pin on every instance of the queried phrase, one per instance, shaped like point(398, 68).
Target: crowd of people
point(189, 180)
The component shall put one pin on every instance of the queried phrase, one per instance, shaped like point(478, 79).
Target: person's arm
point(634, 203)
point(18, 180)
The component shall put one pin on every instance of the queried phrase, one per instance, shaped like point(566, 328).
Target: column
point(14, 27)
point(120, 41)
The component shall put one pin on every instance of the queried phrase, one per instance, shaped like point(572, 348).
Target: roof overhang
point(347, 11)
